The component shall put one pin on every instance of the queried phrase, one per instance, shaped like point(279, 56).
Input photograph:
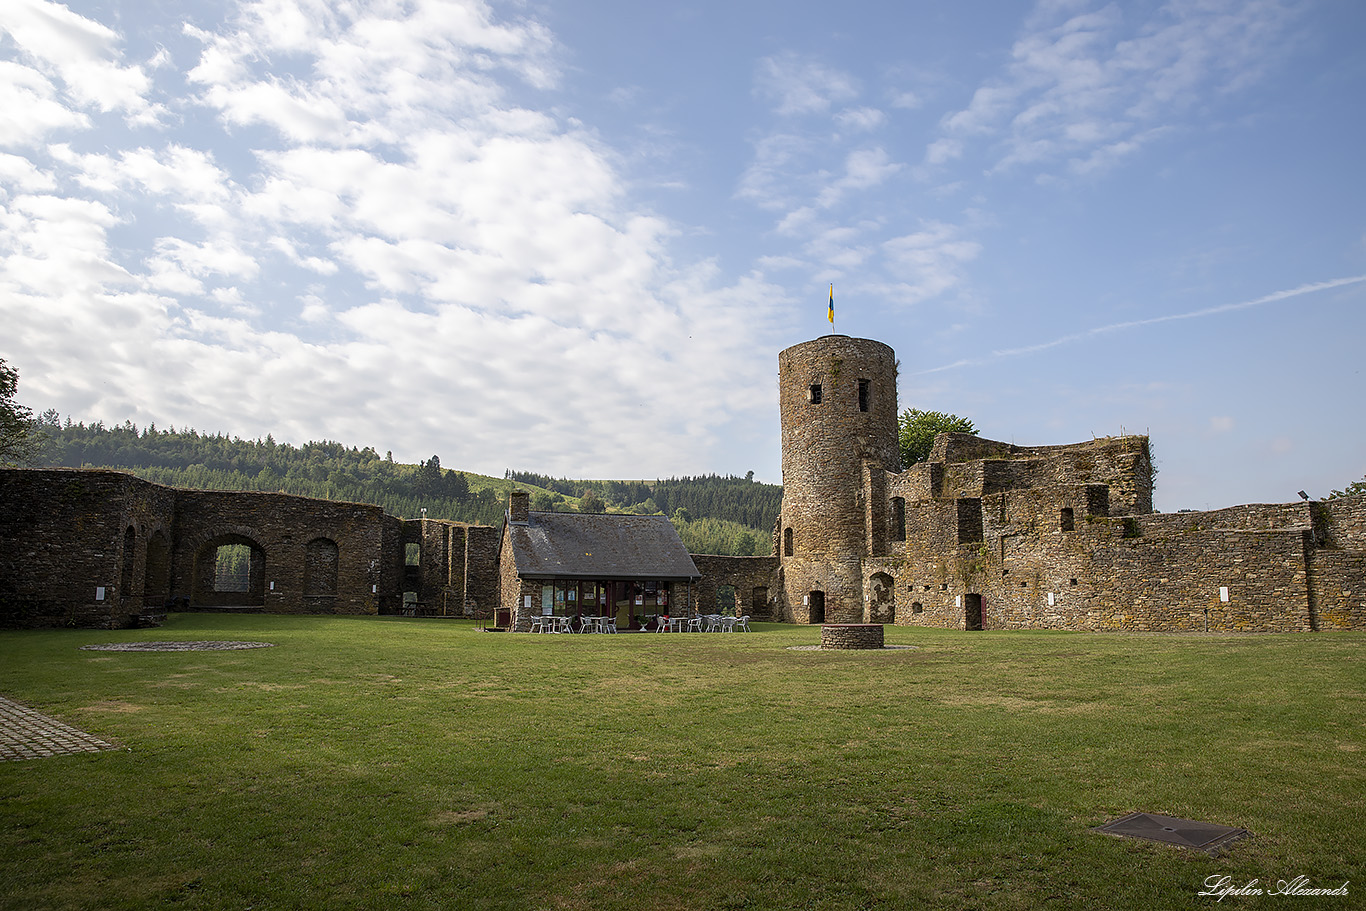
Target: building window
point(1068, 520)
point(787, 543)
point(815, 393)
point(863, 394)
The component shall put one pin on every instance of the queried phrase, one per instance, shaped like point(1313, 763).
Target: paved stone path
point(26, 734)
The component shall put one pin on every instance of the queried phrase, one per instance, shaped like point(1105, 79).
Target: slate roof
point(561, 545)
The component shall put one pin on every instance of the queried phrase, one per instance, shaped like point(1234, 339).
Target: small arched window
point(787, 543)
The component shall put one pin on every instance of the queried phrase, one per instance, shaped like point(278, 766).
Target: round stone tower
point(837, 401)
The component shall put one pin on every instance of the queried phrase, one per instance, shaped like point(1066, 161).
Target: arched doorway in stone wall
point(321, 558)
point(881, 599)
point(156, 577)
point(229, 571)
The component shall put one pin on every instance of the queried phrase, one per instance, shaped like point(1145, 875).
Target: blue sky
point(572, 237)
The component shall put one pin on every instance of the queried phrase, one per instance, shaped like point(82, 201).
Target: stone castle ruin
point(984, 535)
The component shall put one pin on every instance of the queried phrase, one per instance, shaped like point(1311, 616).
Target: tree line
point(712, 511)
point(743, 501)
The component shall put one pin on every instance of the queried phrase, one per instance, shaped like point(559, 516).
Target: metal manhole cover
point(1187, 833)
point(210, 646)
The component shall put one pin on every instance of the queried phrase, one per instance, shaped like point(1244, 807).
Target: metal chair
point(742, 623)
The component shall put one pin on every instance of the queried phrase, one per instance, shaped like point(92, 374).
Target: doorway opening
point(972, 612)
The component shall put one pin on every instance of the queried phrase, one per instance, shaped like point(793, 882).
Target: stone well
point(851, 635)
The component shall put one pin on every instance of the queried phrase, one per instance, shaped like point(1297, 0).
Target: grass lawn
point(394, 763)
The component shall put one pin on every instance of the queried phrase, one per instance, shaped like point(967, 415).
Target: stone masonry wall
point(747, 575)
point(282, 527)
point(1050, 557)
point(65, 534)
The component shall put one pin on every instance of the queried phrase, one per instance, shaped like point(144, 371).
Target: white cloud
point(32, 109)
point(929, 262)
point(1221, 424)
point(1092, 86)
point(860, 119)
point(517, 309)
point(80, 52)
point(798, 86)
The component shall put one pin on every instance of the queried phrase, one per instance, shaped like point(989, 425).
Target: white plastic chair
point(694, 624)
point(743, 623)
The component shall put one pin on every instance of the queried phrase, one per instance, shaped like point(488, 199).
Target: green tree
point(917, 430)
point(591, 502)
point(20, 436)
point(1352, 490)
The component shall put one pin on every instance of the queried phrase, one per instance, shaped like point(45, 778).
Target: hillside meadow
point(398, 763)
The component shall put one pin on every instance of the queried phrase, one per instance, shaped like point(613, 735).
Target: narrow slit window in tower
point(815, 393)
point(787, 543)
point(863, 394)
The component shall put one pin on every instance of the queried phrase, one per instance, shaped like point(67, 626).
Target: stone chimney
point(519, 507)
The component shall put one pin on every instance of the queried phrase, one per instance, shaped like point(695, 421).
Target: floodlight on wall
point(1303, 495)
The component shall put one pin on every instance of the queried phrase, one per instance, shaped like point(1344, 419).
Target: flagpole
point(830, 313)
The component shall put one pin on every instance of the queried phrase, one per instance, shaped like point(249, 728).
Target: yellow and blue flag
point(830, 314)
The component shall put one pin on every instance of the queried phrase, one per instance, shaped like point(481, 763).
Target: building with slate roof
point(572, 565)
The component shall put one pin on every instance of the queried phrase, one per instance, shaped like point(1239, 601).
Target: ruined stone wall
point(756, 581)
point(1338, 580)
point(1344, 522)
point(1337, 570)
point(67, 534)
point(1174, 582)
point(1121, 464)
point(1050, 558)
point(481, 571)
point(513, 590)
point(282, 527)
point(457, 574)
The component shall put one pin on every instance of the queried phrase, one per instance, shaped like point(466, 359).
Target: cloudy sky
point(571, 237)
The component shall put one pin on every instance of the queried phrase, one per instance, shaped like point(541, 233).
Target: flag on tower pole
point(830, 314)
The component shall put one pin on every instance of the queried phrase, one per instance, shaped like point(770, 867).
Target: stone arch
point(205, 587)
point(322, 556)
point(881, 599)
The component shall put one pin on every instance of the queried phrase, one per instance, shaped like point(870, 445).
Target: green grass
point(388, 763)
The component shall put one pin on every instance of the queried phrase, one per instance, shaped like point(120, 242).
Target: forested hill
point(712, 496)
point(726, 515)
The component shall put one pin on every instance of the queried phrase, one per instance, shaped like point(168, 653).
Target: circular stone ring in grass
point(212, 646)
